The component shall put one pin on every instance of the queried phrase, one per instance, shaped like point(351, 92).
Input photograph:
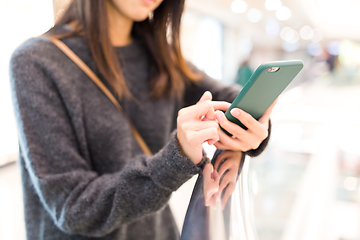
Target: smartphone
point(263, 87)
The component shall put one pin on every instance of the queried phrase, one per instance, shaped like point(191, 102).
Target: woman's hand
point(227, 165)
point(221, 179)
point(243, 140)
point(211, 185)
point(197, 124)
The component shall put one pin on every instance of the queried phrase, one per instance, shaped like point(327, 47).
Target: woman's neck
point(119, 27)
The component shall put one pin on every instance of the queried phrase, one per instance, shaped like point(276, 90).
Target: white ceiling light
point(238, 6)
point(254, 15)
point(283, 13)
point(306, 32)
point(272, 5)
point(317, 35)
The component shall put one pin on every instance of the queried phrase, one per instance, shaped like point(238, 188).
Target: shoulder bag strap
point(68, 52)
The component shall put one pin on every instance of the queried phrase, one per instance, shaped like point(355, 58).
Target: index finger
point(208, 108)
point(206, 96)
point(221, 105)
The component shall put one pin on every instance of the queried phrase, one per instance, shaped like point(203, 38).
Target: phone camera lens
point(273, 69)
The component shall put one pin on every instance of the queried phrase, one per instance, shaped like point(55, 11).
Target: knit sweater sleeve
point(79, 199)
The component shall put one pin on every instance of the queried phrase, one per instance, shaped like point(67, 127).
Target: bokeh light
point(245, 46)
point(290, 47)
point(238, 6)
point(350, 183)
point(289, 35)
point(272, 5)
point(283, 13)
point(333, 48)
point(317, 35)
point(306, 32)
point(272, 28)
point(254, 15)
point(314, 49)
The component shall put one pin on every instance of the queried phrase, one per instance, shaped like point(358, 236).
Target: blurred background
point(306, 185)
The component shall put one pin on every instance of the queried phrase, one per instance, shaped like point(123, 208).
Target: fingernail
point(219, 116)
point(235, 112)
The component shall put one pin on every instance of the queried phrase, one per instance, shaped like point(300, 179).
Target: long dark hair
point(160, 34)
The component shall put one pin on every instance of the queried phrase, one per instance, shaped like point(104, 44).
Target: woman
point(84, 176)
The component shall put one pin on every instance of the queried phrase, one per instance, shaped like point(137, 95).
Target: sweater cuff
point(261, 148)
point(205, 160)
point(170, 168)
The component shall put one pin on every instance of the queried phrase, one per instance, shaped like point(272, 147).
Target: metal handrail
point(241, 214)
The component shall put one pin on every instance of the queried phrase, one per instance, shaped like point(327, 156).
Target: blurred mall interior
point(306, 185)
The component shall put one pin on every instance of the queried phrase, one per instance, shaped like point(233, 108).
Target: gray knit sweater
point(84, 176)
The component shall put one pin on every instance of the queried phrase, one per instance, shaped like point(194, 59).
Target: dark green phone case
point(263, 87)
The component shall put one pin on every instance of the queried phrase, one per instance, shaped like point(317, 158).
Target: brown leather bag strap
point(68, 52)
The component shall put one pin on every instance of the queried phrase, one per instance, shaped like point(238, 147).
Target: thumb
point(206, 96)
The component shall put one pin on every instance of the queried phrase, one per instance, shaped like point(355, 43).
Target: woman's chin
point(140, 17)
